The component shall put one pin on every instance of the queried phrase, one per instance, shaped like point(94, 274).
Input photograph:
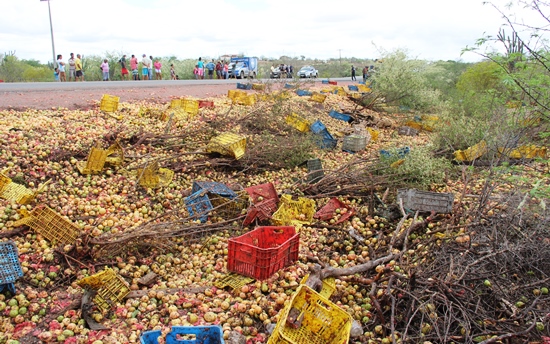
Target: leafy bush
point(419, 168)
point(402, 81)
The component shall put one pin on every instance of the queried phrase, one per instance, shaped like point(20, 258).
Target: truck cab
point(243, 67)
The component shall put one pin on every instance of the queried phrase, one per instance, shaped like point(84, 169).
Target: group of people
point(149, 66)
point(74, 68)
point(282, 70)
point(221, 69)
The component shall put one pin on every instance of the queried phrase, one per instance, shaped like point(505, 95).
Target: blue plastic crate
point(362, 83)
point(10, 267)
point(288, 86)
point(198, 204)
point(215, 188)
point(324, 81)
point(242, 86)
point(303, 93)
point(340, 116)
point(317, 127)
point(325, 140)
point(192, 334)
point(401, 152)
point(353, 88)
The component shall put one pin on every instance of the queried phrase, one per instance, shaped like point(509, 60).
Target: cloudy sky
point(427, 29)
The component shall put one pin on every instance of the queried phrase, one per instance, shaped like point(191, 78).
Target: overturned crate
point(10, 267)
point(318, 97)
point(311, 318)
point(264, 199)
point(299, 123)
point(472, 153)
point(355, 143)
point(225, 201)
point(294, 212)
point(335, 209)
point(50, 225)
point(98, 157)
point(110, 288)
point(16, 192)
point(153, 176)
point(247, 100)
point(315, 170)
point(228, 144)
point(212, 334)
point(426, 201)
point(109, 103)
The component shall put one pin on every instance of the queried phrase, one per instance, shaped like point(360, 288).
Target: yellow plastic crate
point(235, 281)
point(248, 99)
point(110, 287)
point(293, 212)
point(153, 176)
point(472, 153)
point(109, 103)
point(17, 192)
point(191, 106)
point(175, 103)
point(526, 152)
point(50, 225)
point(339, 90)
point(414, 125)
point(236, 93)
point(429, 118)
point(374, 134)
point(228, 144)
point(258, 87)
point(298, 122)
point(95, 162)
point(363, 88)
point(115, 154)
point(310, 318)
point(329, 286)
point(319, 98)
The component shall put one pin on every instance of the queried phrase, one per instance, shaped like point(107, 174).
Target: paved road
point(104, 85)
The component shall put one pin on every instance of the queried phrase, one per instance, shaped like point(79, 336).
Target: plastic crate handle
point(278, 231)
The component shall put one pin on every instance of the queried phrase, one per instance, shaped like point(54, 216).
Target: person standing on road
point(145, 66)
point(365, 72)
point(200, 65)
point(158, 74)
point(225, 70)
point(105, 68)
point(78, 68)
point(134, 67)
point(172, 72)
point(61, 68)
point(123, 69)
point(219, 69)
point(72, 68)
point(151, 67)
point(353, 73)
point(196, 72)
point(210, 66)
point(56, 74)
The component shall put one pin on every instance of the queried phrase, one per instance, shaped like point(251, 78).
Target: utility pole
point(340, 51)
point(51, 32)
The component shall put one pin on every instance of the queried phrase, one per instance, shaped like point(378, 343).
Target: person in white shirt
point(146, 65)
point(61, 68)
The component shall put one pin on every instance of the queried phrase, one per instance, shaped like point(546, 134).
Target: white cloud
point(428, 29)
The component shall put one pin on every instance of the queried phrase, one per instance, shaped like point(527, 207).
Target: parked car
point(308, 72)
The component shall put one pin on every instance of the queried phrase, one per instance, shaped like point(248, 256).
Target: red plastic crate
point(262, 252)
point(206, 104)
point(333, 83)
point(261, 211)
point(266, 191)
point(328, 211)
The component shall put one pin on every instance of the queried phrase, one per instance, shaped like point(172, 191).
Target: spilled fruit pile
point(142, 231)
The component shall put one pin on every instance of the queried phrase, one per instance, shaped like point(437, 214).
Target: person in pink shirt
point(105, 68)
point(196, 72)
point(134, 67)
point(157, 65)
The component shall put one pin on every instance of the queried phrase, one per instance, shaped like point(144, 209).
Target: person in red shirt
point(134, 67)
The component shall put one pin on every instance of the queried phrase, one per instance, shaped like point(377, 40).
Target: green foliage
point(419, 167)
point(403, 81)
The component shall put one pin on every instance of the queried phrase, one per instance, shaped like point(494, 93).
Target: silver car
point(308, 72)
